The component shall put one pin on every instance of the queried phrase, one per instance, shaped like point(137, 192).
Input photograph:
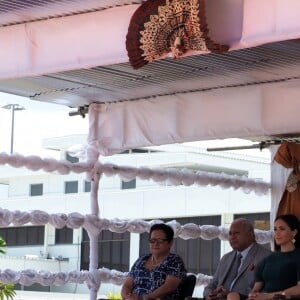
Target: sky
point(37, 121)
point(40, 120)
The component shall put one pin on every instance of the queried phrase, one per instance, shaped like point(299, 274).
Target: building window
point(71, 187)
point(71, 158)
point(259, 220)
point(36, 189)
point(64, 236)
point(128, 184)
point(199, 255)
point(113, 250)
point(140, 151)
point(87, 186)
point(36, 287)
point(21, 236)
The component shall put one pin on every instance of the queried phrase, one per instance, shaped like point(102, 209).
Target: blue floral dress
point(146, 281)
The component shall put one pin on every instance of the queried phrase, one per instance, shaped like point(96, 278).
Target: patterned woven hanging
point(159, 27)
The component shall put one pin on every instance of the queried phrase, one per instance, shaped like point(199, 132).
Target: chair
point(187, 286)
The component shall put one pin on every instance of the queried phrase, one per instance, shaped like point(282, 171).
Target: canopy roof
point(74, 53)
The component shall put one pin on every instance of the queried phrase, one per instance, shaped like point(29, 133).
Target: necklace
point(156, 264)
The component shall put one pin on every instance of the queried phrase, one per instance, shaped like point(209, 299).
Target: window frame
point(71, 159)
point(23, 235)
point(87, 186)
point(128, 185)
point(64, 235)
point(39, 187)
point(68, 184)
point(113, 250)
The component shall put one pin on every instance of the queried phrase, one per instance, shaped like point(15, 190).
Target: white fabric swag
point(42, 47)
point(225, 113)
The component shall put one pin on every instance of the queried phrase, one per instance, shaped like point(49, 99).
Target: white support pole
point(93, 157)
point(94, 237)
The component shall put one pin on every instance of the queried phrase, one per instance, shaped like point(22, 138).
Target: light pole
point(13, 107)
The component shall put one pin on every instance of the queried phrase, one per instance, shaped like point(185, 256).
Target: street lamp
point(13, 107)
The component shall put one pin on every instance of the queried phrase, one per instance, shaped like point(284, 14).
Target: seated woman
point(278, 275)
point(158, 274)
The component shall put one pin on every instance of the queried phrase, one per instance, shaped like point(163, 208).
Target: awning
point(96, 38)
point(264, 110)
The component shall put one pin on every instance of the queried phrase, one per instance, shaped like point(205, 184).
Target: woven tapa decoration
point(159, 27)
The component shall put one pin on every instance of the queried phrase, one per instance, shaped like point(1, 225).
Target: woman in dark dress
point(279, 273)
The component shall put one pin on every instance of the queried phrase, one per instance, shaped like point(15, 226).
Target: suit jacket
point(246, 275)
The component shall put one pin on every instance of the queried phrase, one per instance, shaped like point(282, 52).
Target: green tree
point(6, 289)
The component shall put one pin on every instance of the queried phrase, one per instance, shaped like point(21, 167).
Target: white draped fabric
point(233, 112)
point(83, 40)
point(127, 173)
point(94, 225)
point(92, 279)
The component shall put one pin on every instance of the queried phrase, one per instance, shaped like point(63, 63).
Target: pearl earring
point(293, 241)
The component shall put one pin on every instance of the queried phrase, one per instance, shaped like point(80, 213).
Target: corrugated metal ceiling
point(22, 11)
point(120, 82)
point(264, 64)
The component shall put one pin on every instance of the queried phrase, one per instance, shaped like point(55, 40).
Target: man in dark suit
point(241, 280)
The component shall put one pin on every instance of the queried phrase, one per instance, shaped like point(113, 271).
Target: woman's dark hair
point(168, 230)
point(293, 222)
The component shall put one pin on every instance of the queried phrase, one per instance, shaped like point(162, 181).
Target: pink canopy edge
point(232, 112)
point(98, 38)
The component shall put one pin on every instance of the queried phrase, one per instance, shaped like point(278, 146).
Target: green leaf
point(6, 289)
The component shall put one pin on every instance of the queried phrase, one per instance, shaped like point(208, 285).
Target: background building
point(47, 248)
